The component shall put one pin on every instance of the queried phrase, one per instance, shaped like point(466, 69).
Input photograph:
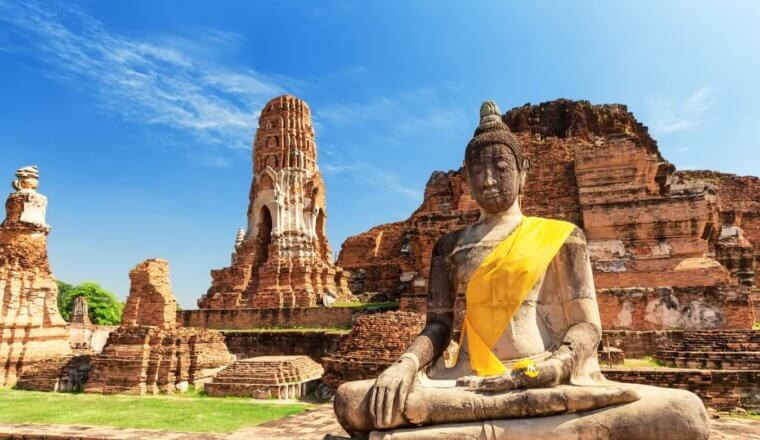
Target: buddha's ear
point(524, 172)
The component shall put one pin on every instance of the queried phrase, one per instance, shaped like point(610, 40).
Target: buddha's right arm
point(436, 335)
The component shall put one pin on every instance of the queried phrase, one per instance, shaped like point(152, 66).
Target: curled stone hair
point(492, 130)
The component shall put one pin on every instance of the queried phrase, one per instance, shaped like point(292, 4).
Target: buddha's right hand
point(390, 390)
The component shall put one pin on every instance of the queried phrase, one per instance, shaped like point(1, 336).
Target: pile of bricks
point(375, 342)
point(267, 377)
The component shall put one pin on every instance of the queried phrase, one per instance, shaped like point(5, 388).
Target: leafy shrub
point(104, 308)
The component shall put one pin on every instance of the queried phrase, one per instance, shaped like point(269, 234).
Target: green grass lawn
point(174, 413)
point(645, 362)
point(385, 305)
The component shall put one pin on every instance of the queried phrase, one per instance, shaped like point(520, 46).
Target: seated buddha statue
point(526, 365)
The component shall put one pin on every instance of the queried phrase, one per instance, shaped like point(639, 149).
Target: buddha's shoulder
point(576, 236)
point(447, 242)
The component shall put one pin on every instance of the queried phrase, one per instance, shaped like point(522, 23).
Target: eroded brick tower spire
point(283, 259)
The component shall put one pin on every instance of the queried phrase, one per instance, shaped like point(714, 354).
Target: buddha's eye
point(476, 169)
point(502, 165)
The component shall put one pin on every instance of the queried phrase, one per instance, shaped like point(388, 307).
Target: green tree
point(105, 309)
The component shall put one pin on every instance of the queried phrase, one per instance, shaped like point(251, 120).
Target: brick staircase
point(714, 349)
point(267, 377)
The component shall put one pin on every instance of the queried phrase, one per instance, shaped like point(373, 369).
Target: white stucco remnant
point(625, 315)
point(608, 255)
point(405, 277)
point(667, 312)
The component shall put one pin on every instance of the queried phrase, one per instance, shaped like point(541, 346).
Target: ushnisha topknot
point(492, 130)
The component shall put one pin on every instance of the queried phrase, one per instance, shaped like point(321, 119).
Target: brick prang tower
point(283, 259)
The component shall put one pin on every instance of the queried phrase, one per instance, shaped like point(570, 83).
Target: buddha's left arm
point(578, 301)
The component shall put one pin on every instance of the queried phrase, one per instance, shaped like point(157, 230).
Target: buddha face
point(492, 174)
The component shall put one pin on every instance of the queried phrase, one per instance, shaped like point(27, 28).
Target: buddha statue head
point(494, 163)
point(27, 179)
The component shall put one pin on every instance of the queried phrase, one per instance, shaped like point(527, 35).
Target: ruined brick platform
point(375, 342)
point(719, 389)
point(56, 374)
point(267, 377)
point(149, 353)
point(719, 350)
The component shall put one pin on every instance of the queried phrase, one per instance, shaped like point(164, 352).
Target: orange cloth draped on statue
point(501, 283)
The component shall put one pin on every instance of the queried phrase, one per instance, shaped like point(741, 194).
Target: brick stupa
point(149, 353)
point(31, 328)
point(283, 258)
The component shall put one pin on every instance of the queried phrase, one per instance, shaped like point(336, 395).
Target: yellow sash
point(501, 283)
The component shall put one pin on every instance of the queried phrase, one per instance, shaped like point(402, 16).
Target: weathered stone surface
point(267, 377)
point(283, 259)
point(647, 226)
point(375, 341)
point(31, 328)
point(149, 353)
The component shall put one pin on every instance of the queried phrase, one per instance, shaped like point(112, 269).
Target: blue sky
point(140, 114)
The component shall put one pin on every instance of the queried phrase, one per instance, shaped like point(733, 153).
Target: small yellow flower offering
point(526, 367)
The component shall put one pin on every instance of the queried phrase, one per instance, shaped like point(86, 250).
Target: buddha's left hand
point(513, 380)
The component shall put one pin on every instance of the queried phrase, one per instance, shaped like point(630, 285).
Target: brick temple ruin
point(150, 353)
point(31, 328)
point(267, 377)
point(283, 258)
point(669, 249)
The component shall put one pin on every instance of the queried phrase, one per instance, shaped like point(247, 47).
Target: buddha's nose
point(490, 182)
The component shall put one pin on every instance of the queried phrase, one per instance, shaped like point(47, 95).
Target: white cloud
point(668, 116)
point(373, 176)
point(372, 132)
point(169, 84)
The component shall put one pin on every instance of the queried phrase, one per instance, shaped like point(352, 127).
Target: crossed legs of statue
point(611, 412)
